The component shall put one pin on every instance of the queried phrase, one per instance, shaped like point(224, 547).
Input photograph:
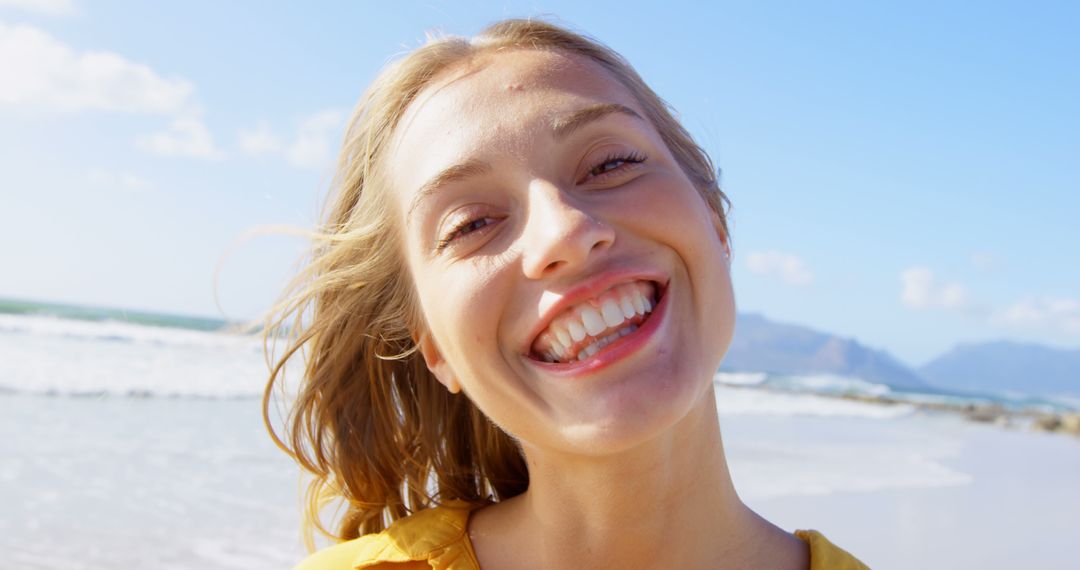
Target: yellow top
point(436, 539)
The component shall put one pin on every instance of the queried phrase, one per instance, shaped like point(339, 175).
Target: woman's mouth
point(587, 327)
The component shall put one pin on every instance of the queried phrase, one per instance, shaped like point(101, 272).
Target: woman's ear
point(435, 362)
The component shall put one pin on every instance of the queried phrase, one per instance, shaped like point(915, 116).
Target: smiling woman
point(511, 320)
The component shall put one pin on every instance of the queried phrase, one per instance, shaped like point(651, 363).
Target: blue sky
point(907, 174)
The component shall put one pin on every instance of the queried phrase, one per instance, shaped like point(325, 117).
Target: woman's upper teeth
point(585, 328)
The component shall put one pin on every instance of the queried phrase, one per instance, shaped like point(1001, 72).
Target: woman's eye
point(464, 229)
point(615, 163)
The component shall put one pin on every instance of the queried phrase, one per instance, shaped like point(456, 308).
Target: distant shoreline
point(984, 413)
point(29, 307)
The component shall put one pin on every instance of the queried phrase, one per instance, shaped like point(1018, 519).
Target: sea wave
point(47, 354)
point(740, 378)
point(1069, 402)
point(830, 384)
point(54, 356)
point(812, 383)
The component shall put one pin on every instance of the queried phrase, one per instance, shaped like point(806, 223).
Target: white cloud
point(42, 73)
point(312, 147)
point(46, 7)
point(786, 266)
point(986, 261)
point(260, 141)
point(1060, 315)
point(122, 179)
point(923, 290)
point(186, 136)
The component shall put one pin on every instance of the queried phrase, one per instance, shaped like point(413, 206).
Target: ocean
point(135, 439)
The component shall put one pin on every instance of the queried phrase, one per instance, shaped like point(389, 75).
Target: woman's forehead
point(501, 101)
point(511, 77)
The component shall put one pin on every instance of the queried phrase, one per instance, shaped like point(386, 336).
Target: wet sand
point(120, 482)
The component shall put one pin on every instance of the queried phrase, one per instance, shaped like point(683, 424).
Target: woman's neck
point(666, 503)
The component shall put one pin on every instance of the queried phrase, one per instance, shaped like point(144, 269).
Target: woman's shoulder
point(824, 555)
point(432, 538)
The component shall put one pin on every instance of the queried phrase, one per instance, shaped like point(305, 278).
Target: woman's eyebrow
point(562, 126)
point(467, 169)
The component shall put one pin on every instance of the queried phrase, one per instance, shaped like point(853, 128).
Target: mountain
point(761, 345)
point(1007, 367)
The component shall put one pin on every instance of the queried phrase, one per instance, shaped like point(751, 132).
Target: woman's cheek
point(471, 304)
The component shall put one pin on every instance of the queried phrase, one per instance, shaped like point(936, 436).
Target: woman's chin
point(621, 420)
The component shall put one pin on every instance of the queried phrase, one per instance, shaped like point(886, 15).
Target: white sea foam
point(48, 355)
point(1072, 402)
point(833, 384)
point(740, 378)
point(762, 402)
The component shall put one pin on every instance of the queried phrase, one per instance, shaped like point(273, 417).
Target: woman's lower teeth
point(596, 346)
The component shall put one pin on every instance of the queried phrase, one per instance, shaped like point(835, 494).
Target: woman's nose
point(561, 232)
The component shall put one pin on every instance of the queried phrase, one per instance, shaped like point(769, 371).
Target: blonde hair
point(370, 422)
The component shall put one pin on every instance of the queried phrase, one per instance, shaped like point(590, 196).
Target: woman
point(511, 320)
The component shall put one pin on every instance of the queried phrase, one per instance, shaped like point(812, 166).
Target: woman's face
point(545, 219)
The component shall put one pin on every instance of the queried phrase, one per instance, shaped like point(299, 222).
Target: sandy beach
point(134, 446)
point(921, 491)
point(144, 483)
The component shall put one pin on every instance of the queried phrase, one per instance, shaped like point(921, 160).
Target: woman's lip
point(589, 289)
point(615, 351)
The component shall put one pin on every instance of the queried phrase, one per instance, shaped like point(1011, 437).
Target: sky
point(906, 174)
